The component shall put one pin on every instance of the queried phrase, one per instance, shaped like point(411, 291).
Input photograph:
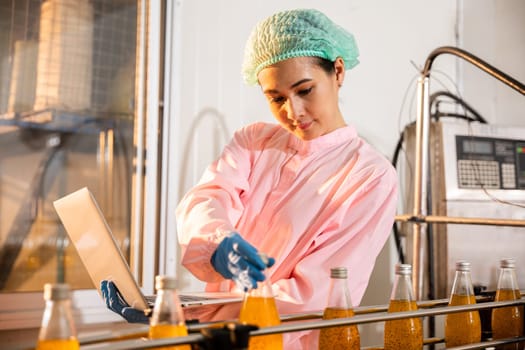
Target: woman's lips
point(304, 126)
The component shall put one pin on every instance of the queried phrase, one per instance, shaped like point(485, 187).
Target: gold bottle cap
point(462, 265)
point(56, 291)
point(508, 263)
point(403, 269)
point(165, 282)
point(338, 272)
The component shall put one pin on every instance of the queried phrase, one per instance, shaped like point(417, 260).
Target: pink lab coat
point(312, 205)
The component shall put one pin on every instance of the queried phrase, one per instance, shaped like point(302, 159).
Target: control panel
point(491, 163)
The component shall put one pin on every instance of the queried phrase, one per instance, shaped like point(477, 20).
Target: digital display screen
point(476, 146)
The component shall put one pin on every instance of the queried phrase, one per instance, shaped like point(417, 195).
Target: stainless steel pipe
point(420, 184)
point(382, 316)
point(366, 316)
point(487, 344)
point(437, 219)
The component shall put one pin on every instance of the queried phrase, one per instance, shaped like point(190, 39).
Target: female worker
point(307, 191)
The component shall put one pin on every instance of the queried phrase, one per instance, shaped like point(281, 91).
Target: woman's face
point(303, 97)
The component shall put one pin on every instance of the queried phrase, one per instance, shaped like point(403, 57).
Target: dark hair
point(326, 65)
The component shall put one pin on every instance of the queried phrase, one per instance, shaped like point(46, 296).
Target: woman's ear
point(339, 66)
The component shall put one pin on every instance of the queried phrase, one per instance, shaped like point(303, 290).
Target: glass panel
point(67, 92)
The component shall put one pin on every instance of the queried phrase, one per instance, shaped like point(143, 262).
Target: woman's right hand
point(239, 261)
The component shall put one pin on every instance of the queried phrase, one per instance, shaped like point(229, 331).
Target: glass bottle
point(462, 327)
point(259, 309)
point(167, 319)
point(58, 328)
point(404, 333)
point(339, 305)
point(507, 322)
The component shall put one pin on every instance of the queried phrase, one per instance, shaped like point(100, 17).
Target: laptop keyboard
point(187, 298)
point(184, 298)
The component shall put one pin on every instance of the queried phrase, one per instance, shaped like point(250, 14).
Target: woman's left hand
point(116, 303)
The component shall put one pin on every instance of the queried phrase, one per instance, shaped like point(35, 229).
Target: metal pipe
point(421, 304)
point(196, 338)
point(309, 325)
point(141, 330)
point(144, 343)
point(476, 61)
point(381, 317)
point(139, 161)
point(488, 344)
point(420, 184)
point(437, 219)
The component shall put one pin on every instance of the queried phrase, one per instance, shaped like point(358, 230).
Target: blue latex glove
point(239, 261)
point(116, 303)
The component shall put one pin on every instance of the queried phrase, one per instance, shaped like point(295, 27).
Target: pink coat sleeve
point(210, 209)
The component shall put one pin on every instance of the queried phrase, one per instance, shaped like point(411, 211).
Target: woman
point(307, 191)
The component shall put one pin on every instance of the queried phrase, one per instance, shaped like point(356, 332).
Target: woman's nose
point(294, 109)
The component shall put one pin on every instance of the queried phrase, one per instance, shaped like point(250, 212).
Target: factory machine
point(475, 171)
point(465, 184)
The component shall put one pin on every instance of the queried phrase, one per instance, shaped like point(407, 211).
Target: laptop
point(90, 234)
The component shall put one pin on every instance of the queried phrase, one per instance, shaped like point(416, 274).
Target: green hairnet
point(295, 33)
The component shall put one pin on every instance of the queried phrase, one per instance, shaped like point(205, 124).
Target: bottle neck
point(167, 309)
point(402, 289)
point(462, 284)
point(507, 279)
point(339, 295)
point(57, 321)
point(263, 290)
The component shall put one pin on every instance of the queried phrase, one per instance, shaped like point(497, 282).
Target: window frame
point(24, 310)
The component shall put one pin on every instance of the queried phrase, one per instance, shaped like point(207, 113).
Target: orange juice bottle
point(58, 329)
point(507, 322)
point(57, 344)
point(167, 320)
point(339, 305)
point(405, 333)
point(462, 327)
point(259, 309)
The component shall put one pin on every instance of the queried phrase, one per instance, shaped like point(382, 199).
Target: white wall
point(494, 31)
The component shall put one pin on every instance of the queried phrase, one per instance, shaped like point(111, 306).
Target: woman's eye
point(277, 100)
point(305, 91)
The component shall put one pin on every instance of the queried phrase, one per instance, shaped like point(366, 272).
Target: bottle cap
point(403, 269)
point(507, 263)
point(165, 282)
point(56, 291)
point(338, 272)
point(462, 265)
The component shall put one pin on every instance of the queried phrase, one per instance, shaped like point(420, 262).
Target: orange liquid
point(462, 327)
point(405, 333)
point(343, 337)
point(262, 312)
point(58, 344)
point(169, 331)
point(507, 322)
